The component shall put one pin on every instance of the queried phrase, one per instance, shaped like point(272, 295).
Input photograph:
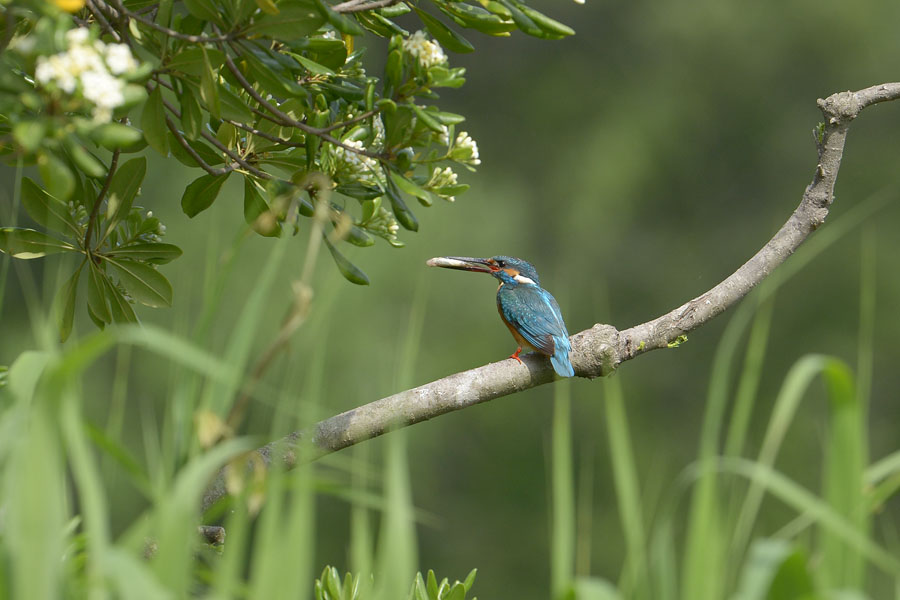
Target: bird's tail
point(560, 358)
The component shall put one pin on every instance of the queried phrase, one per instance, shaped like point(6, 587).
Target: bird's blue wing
point(534, 313)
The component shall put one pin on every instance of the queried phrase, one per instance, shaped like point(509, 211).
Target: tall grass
point(828, 547)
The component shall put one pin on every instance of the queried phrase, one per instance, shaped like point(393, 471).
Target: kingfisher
point(528, 310)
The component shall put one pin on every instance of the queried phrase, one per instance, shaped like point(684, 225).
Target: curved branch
point(601, 349)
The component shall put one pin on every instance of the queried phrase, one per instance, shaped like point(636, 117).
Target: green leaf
point(267, 6)
point(123, 188)
point(153, 122)
point(48, 211)
point(190, 60)
point(346, 24)
point(359, 191)
point(475, 17)
point(254, 206)
point(311, 65)
point(207, 154)
point(203, 9)
point(522, 21)
point(549, 26)
point(232, 107)
point(409, 187)
point(447, 118)
point(443, 34)
point(398, 126)
point(404, 216)
point(85, 160)
point(97, 303)
point(113, 136)
point(457, 592)
point(209, 87)
point(350, 271)
point(191, 114)
point(119, 307)
point(29, 134)
point(358, 237)
point(470, 579)
point(201, 193)
point(145, 284)
point(380, 26)
point(421, 591)
point(57, 176)
point(431, 584)
point(65, 304)
point(28, 243)
point(149, 252)
point(269, 74)
point(296, 19)
point(427, 119)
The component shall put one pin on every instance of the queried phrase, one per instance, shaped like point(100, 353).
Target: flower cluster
point(465, 149)
point(441, 178)
point(428, 53)
point(352, 164)
point(91, 67)
point(444, 136)
point(384, 224)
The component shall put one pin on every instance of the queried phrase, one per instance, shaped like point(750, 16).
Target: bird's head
point(507, 269)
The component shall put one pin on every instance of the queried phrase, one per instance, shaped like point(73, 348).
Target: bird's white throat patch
point(522, 279)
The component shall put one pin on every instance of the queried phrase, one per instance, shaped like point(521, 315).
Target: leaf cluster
point(330, 587)
point(272, 91)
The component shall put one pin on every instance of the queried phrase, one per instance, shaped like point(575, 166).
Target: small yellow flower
point(71, 6)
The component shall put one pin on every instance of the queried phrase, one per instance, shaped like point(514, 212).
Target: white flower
point(466, 149)
point(77, 36)
point(427, 52)
point(444, 136)
point(119, 59)
point(441, 178)
point(84, 58)
point(378, 126)
point(102, 89)
point(352, 163)
point(94, 66)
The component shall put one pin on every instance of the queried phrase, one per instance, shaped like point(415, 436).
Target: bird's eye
point(501, 263)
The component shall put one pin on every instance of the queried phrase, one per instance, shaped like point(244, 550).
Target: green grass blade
point(868, 284)
point(562, 531)
point(704, 569)
point(846, 456)
point(397, 553)
point(751, 373)
point(792, 391)
point(628, 493)
point(805, 502)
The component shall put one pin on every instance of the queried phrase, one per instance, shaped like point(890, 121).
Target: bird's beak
point(480, 265)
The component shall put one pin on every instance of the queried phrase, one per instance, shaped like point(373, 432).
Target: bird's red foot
point(515, 355)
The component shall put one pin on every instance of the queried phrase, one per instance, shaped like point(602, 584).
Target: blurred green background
point(636, 164)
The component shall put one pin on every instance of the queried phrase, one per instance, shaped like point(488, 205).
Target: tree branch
point(601, 349)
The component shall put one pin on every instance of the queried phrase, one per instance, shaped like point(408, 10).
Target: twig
point(190, 150)
point(101, 18)
point(596, 351)
point(95, 210)
point(284, 117)
point(264, 135)
point(196, 39)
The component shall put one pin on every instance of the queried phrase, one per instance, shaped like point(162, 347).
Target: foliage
point(330, 587)
point(273, 91)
